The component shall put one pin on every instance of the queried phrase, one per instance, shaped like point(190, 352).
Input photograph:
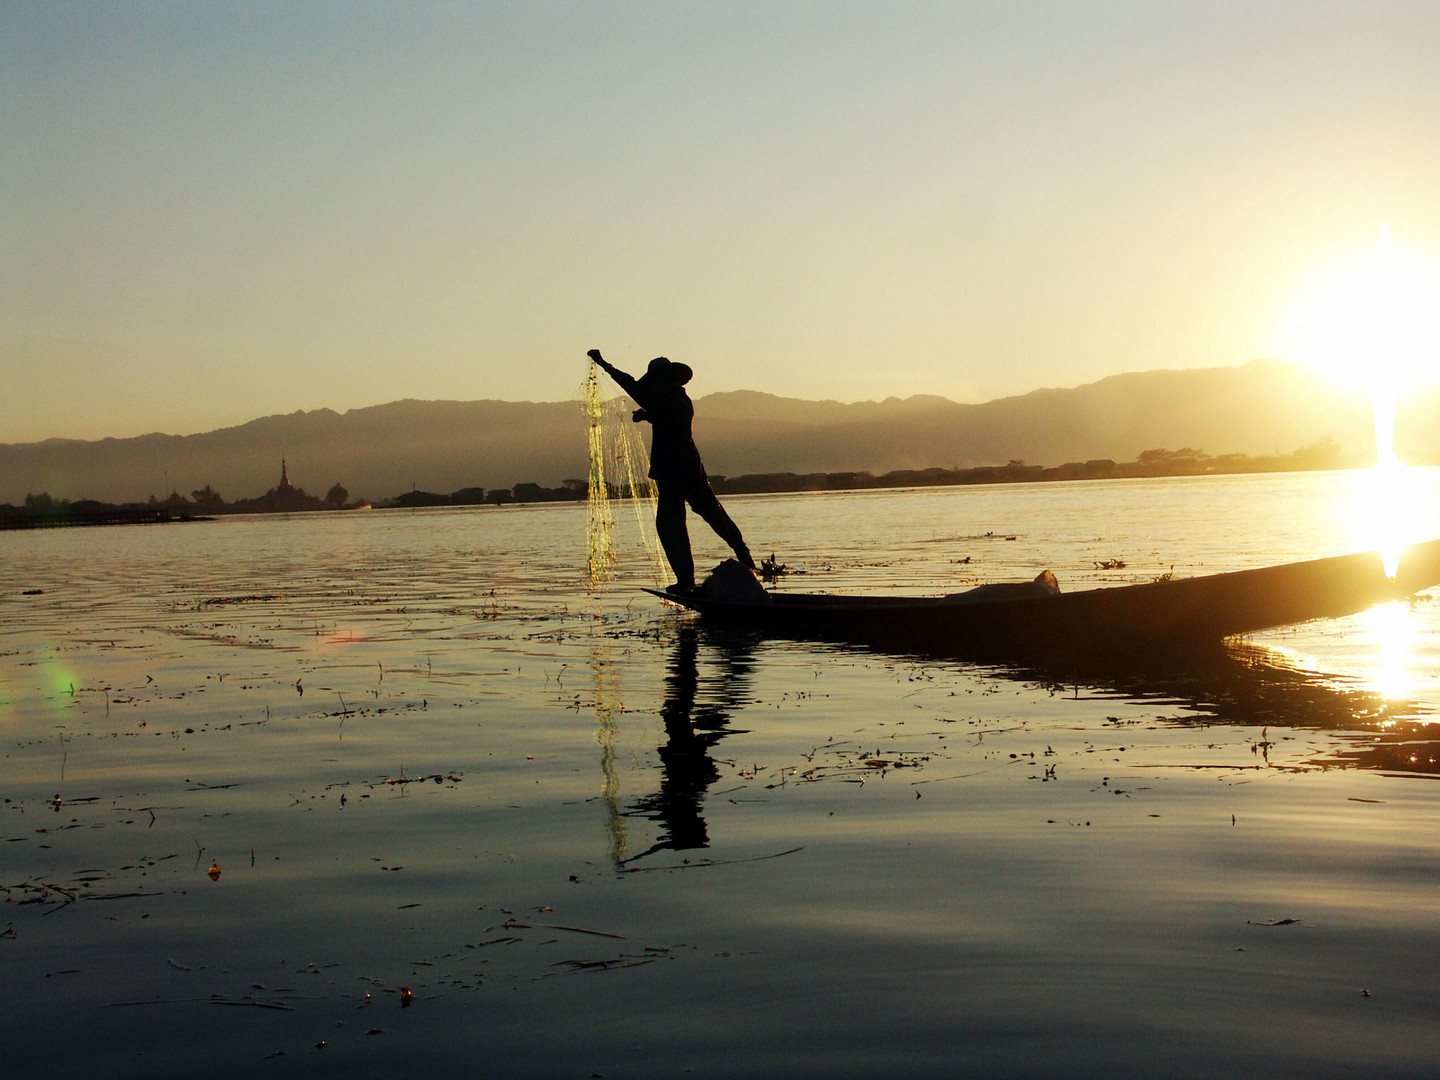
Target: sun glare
point(1390, 628)
point(1370, 321)
point(1390, 510)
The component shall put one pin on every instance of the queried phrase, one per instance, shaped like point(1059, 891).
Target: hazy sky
point(216, 211)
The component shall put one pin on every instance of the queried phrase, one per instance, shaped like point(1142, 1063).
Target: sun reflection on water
point(1368, 320)
point(1390, 510)
point(1383, 656)
point(1391, 629)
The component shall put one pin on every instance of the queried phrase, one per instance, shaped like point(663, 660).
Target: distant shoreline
point(12, 519)
point(45, 512)
point(1310, 459)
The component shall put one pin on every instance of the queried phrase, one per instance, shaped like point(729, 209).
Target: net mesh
point(618, 467)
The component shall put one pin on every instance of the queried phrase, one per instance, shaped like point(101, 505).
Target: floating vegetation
point(437, 778)
point(844, 761)
point(771, 570)
point(969, 537)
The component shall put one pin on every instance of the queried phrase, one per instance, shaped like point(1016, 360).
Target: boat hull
point(1159, 614)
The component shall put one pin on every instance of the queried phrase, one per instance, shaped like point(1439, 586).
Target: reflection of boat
point(1166, 613)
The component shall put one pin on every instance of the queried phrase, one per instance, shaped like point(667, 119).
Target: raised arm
point(626, 383)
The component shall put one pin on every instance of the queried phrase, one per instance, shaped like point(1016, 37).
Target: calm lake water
point(384, 792)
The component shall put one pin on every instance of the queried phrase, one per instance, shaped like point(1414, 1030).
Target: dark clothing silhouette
point(696, 713)
point(675, 464)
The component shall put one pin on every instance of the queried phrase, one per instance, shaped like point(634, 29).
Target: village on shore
point(44, 510)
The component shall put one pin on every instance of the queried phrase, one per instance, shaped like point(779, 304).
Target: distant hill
point(1264, 407)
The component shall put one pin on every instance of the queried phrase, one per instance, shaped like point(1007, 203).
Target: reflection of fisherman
point(675, 464)
point(692, 729)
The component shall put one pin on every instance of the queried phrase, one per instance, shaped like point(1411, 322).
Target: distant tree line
point(43, 509)
point(1186, 461)
point(285, 499)
point(569, 491)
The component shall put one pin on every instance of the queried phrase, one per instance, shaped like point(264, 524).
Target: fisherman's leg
point(674, 538)
point(703, 501)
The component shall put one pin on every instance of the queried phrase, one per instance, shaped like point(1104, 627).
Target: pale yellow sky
point(216, 212)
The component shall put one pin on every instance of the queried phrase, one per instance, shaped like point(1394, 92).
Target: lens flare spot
point(342, 636)
point(60, 680)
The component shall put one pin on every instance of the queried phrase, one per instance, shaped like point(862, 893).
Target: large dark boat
point(1025, 617)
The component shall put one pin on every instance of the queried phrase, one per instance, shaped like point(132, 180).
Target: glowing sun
point(1370, 321)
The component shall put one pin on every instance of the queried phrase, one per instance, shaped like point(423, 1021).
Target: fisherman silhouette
point(675, 464)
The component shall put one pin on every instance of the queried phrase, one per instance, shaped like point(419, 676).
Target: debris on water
point(771, 570)
point(438, 778)
point(512, 925)
point(688, 864)
point(1277, 922)
point(624, 960)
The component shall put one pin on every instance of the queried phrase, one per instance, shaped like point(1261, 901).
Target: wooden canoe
point(1161, 614)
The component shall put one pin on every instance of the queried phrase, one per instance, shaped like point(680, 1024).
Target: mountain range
point(1263, 407)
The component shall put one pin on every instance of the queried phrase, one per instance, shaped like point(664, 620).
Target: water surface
point(262, 775)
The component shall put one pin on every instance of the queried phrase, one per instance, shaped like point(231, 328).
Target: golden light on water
point(1389, 626)
point(1370, 321)
point(1393, 510)
point(1390, 511)
point(1381, 655)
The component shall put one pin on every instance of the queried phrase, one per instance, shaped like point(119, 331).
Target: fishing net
point(608, 707)
point(618, 468)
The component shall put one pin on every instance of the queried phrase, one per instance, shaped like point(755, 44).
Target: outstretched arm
point(627, 384)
